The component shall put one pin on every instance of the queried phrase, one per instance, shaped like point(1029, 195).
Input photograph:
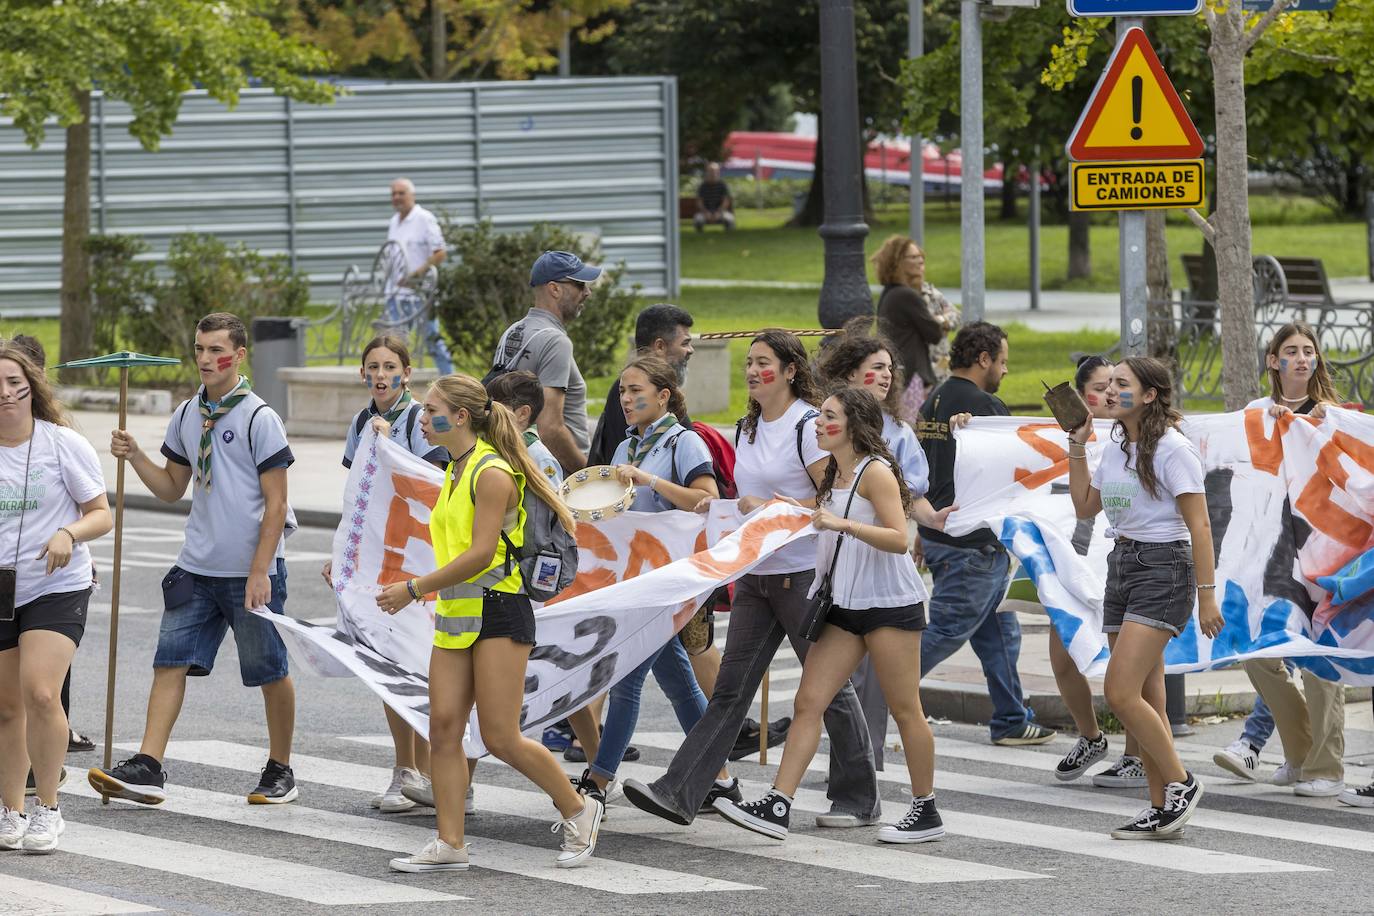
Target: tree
point(146, 53)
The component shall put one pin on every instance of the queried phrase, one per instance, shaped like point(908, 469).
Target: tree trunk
point(75, 339)
point(1161, 337)
point(1009, 191)
point(438, 40)
point(1080, 250)
point(1235, 284)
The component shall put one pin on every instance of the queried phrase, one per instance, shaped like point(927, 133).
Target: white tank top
point(865, 577)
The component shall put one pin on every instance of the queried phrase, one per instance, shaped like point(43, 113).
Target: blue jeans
point(1259, 725)
point(191, 633)
point(673, 671)
point(402, 304)
point(970, 583)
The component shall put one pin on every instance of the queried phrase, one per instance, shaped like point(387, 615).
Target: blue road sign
point(1136, 7)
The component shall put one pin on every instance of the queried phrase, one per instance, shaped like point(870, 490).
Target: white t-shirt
point(770, 464)
point(64, 472)
point(419, 237)
point(1131, 511)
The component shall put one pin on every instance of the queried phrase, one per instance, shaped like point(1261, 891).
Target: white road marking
point(35, 898)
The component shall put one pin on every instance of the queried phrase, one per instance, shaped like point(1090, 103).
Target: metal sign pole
point(1132, 250)
point(916, 42)
point(971, 160)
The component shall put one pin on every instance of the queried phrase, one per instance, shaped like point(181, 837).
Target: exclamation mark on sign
point(1137, 90)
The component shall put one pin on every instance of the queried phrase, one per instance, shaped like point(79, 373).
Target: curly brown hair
point(889, 256)
point(864, 417)
point(1156, 418)
point(788, 349)
point(847, 354)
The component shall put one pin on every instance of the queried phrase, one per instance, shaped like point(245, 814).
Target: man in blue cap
point(539, 343)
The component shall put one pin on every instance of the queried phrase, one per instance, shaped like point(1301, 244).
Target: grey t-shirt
point(222, 529)
point(540, 344)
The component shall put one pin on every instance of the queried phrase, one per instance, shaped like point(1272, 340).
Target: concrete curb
point(313, 518)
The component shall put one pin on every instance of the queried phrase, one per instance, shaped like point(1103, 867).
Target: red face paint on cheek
point(1091, 399)
point(832, 429)
point(224, 362)
point(767, 376)
point(870, 378)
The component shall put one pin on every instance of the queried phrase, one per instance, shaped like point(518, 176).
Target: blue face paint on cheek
point(641, 404)
point(1283, 365)
point(440, 424)
point(367, 380)
point(395, 381)
point(1126, 399)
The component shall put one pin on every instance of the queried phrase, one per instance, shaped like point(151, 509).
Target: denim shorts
point(1150, 584)
point(507, 615)
point(191, 633)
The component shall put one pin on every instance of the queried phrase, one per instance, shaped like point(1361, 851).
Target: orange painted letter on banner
point(1029, 433)
point(750, 545)
point(1315, 500)
point(402, 525)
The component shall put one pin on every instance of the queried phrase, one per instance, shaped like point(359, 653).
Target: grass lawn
point(763, 249)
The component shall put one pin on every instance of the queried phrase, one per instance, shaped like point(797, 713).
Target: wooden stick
point(114, 579)
point(763, 724)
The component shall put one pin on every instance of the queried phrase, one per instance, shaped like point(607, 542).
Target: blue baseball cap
point(553, 266)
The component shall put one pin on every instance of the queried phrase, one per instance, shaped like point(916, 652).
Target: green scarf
point(404, 401)
point(640, 447)
point(207, 429)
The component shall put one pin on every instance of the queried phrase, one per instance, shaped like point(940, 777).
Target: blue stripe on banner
point(1037, 562)
point(1351, 581)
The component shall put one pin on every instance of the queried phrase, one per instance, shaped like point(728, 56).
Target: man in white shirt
point(416, 231)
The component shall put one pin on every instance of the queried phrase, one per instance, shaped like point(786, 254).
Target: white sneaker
point(470, 801)
point(1287, 774)
point(45, 826)
point(13, 825)
point(392, 801)
point(418, 788)
point(580, 833)
point(1238, 758)
point(1310, 788)
point(436, 856)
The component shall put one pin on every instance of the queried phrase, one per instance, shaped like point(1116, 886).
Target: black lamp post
point(844, 294)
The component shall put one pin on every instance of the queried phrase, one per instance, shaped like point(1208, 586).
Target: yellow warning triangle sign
point(1134, 112)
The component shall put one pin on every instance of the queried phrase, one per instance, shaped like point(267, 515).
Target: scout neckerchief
point(641, 446)
point(531, 437)
point(210, 418)
point(404, 401)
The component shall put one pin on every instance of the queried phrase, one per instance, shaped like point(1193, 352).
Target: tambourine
point(595, 493)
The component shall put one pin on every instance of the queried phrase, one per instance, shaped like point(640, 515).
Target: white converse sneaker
point(13, 825)
point(1286, 775)
point(392, 801)
point(436, 856)
point(580, 833)
point(45, 826)
point(1239, 758)
point(1309, 788)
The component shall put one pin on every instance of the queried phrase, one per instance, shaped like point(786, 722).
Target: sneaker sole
point(1021, 742)
point(1230, 766)
point(424, 801)
point(1138, 835)
point(1309, 793)
point(109, 786)
point(581, 858)
point(40, 850)
point(843, 821)
point(740, 819)
point(1112, 782)
point(903, 836)
point(644, 801)
point(413, 868)
point(1187, 814)
point(1356, 801)
point(257, 798)
point(404, 804)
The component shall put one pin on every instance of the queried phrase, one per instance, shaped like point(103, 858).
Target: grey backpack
point(548, 558)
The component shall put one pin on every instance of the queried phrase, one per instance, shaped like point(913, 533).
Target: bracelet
point(653, 482)
point(1083, 457)
point(410, 587)
point(69, 534)
point(1208, 588)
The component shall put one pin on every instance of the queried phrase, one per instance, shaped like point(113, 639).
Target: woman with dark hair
point(917, 317)
point(861, 512)
point(1149, 482)
point(776, 455)
point(54, 502)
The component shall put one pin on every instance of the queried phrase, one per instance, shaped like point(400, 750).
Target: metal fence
point(311, 182)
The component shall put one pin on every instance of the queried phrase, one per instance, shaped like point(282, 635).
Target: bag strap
point(801, 424)
point(259, 410)
point(503, 349)
point(410, 421)
point(839, 538)
point(490, 577)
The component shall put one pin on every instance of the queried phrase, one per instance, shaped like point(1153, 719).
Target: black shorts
point(60, 612)
point(1151, 584)
point(864, 621)
point(507, 615)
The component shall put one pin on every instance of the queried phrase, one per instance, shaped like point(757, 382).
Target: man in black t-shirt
point(970, 571)
point(714, 205)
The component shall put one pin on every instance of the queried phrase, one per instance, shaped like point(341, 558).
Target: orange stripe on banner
point(1315, 500)
point(750, 545)
point(402, 525)
point(1029, 433)
point(594, 542)
point(645, 548)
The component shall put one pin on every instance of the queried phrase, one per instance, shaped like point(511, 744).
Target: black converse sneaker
point(140, 779)
point(1361, 797)
point(722, 795)
point(920, 824)
point(1126, 773)
point(1180, 801)
point(1144, 827)
point(1086, 752)
point(769, 815)
point(276, 787)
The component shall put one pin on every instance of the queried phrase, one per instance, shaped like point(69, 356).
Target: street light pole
point(916, 47)
point(844, 293)
point(971, 160)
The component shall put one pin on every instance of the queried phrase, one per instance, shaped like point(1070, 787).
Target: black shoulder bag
point(824, 600)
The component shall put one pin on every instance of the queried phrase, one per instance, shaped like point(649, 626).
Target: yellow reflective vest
point(458, 614)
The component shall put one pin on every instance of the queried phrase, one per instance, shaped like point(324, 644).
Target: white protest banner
point(641, 576)
point(1291, 503)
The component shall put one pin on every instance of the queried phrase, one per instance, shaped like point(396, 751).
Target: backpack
point(801, 428)
point(722, 458)
point(548, 558)
point(506, 359)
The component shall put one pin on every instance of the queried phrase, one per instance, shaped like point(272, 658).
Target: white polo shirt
point(419, 237)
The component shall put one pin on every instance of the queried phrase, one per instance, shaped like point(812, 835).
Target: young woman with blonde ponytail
point(483, 632)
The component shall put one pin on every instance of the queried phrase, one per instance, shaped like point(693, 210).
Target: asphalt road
point(1018, 841)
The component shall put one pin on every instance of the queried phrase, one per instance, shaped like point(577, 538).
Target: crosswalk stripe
point(306, 883)
point(891, 864)
point(103, 610)
point(32, 898)
point(390, 836)
point(1187, 858)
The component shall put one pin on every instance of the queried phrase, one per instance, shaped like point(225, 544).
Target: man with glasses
point(539, 343)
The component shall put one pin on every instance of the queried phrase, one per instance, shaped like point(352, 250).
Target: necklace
point(1297, 400)
point(453, 468)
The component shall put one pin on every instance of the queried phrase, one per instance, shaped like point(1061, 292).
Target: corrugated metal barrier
point(597, 155)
